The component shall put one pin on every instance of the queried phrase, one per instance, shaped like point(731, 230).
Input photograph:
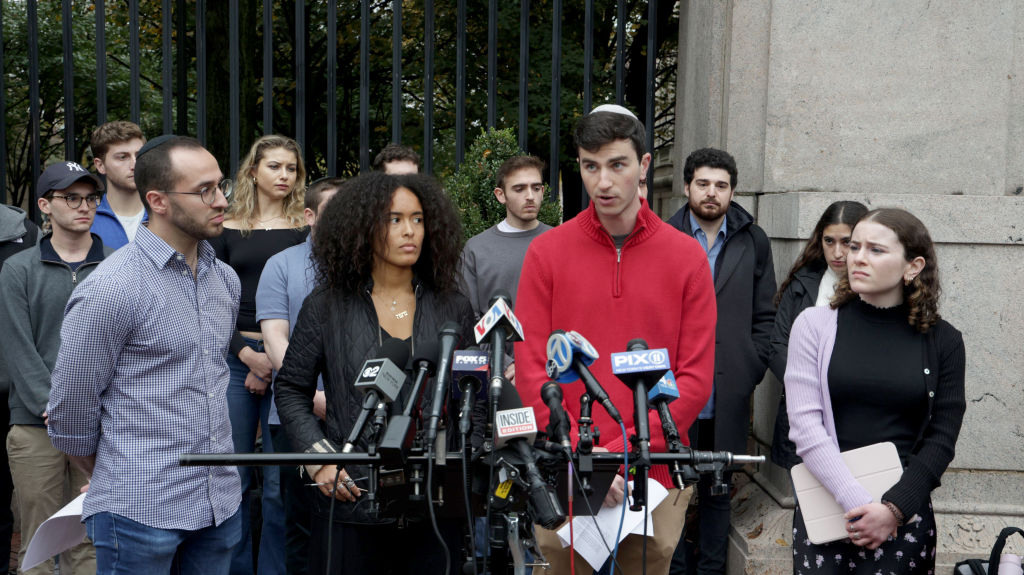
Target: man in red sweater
point(614, 273)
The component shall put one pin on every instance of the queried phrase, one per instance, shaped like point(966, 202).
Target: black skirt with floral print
point(911, 552)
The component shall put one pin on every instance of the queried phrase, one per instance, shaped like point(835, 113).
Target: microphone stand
point(641, 443)
point(588, 436)
point(681, 476)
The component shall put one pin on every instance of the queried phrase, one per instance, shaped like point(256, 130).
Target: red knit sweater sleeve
point(533, 309)
point(695, 350)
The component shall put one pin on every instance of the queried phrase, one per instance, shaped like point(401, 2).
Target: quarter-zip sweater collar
point(644, 228)
point(48, 255)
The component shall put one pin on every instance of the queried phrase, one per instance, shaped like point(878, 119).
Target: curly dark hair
point(710, 158)
point(922, 295)
point(813, 255)
point(357, 215)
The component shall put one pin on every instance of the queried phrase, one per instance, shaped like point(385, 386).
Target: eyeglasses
point(75, 200)
point(209, 193)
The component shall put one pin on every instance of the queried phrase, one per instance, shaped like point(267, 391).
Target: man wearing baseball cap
point(37, 284)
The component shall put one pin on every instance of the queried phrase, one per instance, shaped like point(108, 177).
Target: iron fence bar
point(201, 71)
point(166, 65)
point(396, 71)
point(182, 72)
point(134, 62)
point(268, 67)
point(332, 88)
point(300, 75)
point(101, 62)
point(69, 80)
point(364, 85)
point(620, 55)
point(556, 89)
point(460, 84)
point(234, 88)
point(588, 56)
point(3, 116)
point(33, 102)
point(492, 64)
point(524, 70)
point(428, 87)
point(652, 32)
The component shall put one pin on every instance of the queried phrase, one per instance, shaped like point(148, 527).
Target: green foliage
point(288, 106)
point(471, 187)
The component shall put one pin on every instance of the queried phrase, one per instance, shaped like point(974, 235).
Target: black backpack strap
point(997, 549)
point(971, 567)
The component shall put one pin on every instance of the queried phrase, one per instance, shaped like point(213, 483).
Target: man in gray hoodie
point(37, 284)
point(17, 233)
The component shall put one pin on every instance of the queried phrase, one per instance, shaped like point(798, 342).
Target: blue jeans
point(246, 410)
point(124, 546)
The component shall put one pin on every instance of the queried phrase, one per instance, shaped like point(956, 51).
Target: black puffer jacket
point(334, 334)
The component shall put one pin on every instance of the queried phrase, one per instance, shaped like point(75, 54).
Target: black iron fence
point(190, 67)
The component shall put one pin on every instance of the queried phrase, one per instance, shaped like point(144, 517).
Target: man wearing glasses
point(37, 284)
point(141, 377)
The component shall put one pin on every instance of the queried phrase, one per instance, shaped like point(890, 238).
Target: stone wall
point(913, 104)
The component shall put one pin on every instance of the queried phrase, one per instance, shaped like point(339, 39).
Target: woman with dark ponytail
point(810, 282)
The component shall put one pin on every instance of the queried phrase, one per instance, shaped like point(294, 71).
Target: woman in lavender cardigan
point(878, 364)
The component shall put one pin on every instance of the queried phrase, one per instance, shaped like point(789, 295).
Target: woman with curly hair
point(264, 216)
point(811, 281)
point(386, 251)
point(878, 364)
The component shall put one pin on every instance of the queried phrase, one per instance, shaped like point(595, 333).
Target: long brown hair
point(843, 212)
point(922, 295)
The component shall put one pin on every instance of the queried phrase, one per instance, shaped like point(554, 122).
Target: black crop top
point(247, 255)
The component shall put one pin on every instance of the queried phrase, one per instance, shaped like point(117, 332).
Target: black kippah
point(154, 143)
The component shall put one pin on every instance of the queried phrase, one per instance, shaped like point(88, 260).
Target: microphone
point(399, 434)
point(381, 381)
point(569, 354)
point(469, 373)
point(558, 422)
point(513, 421)
point(516, 427)
point(500, 325)
point(661, 394)
point(635, 368)
point(423, 365)
point(449, 339)
point(664, 390)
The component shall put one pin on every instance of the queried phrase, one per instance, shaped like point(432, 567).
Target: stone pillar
point(912, 104)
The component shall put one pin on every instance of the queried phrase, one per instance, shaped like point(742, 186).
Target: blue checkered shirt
point(141, 377)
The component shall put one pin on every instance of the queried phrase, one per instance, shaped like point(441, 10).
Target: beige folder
point(876, 467)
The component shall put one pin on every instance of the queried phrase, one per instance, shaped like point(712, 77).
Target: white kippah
point(614, 109)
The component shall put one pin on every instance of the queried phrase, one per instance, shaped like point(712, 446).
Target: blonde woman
point(263, 218)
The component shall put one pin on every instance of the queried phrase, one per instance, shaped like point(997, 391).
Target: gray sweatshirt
point(492, 260)
point(36, 286)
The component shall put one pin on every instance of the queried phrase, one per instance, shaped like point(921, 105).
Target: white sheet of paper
point(60, 532)
point(587, 531)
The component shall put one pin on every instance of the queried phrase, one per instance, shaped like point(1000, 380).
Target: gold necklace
point(267, 228)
